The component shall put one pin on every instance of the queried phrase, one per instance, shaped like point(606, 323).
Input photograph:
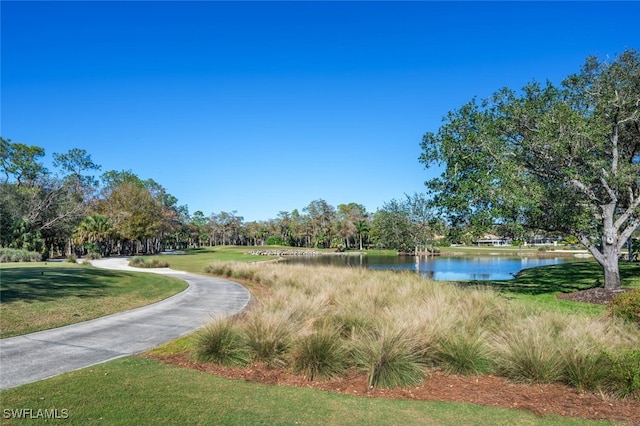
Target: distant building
point(492, 240)
point(541, 240)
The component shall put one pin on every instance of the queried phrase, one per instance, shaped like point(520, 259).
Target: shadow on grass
point(562, 278)
point(38, 284)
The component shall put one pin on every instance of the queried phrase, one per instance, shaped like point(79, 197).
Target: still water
point(458, 268)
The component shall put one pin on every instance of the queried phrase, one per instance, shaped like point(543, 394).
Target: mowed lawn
point(38, 296)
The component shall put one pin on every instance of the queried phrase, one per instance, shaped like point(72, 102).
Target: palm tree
point(95, 229)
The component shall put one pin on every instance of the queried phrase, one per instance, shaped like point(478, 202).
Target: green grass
point(540, 285)
point(39, 296)
point(137, 391)
point(196, 260)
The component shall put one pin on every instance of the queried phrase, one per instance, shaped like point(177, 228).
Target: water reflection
point(459, 268)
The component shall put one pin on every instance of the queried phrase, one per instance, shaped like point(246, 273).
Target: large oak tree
point(562, 158)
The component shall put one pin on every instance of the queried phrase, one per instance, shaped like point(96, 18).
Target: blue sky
point(262, 107)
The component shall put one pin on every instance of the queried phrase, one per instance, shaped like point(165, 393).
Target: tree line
point(68, 211)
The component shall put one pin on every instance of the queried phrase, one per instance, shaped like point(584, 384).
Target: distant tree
point(362, 229)
point(96, 230)
point(134, 213)
point(321, 217)
point(21, 163)
point(392, 226)
point(39, 208)
point(562, 158)
point(199, 221)
point(347, 216)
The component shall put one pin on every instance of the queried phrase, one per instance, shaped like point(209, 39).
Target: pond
point(455, 268)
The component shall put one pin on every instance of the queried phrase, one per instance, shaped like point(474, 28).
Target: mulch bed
point(598, 296)
point(482, 390)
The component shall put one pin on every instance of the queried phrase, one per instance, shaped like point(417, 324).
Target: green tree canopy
point(559, 158)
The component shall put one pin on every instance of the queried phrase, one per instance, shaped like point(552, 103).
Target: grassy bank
point(137, 391)
point(38, 296)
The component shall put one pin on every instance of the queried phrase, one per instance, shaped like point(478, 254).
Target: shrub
point(17, 255)
point(623, 376)
point(72, 259)
point(274, 240)
point(141, 262)
point(92, 255)
point(627, 306)
point(390, 357)
point(320, 354)
point(221, 343)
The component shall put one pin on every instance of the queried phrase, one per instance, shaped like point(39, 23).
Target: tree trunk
point(612, 275)
point(610, 255)
point(607, 256)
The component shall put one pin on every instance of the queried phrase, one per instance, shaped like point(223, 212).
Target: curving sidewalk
point(36, 356)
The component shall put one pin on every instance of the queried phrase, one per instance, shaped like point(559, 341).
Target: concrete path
point(36, 356)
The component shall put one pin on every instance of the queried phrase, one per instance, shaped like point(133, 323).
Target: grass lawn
point(541, 285)
point(138, 391)
point(196, 260)
point(38, 296)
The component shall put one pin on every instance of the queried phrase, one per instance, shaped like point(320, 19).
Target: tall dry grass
point(394, 325)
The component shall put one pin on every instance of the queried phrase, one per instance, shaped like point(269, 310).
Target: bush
point(623, 377)
point(141, 262)
point(274, 240)
point(320, 354)
point(16, 255)
point(92, 255)
point(221, 343)
point(72, 259)
point(627, 306)
point(615, 374)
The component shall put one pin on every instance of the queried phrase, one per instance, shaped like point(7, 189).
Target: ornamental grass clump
point(390, 357)
point(322, 321)
point(141, 262)
point(528, 351)
point(268, 336)
point(463, 353)
point(320, 354)
point(221, 342)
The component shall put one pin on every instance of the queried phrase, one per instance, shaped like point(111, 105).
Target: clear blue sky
point(263, 107)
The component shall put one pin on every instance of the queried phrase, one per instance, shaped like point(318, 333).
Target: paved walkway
point(36, 356)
